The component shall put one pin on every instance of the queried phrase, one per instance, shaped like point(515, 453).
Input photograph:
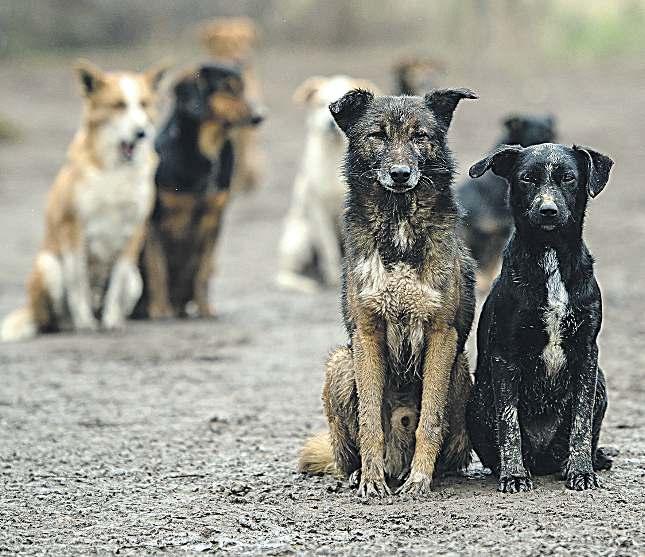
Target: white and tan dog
point(311, 244)
point(86, 271)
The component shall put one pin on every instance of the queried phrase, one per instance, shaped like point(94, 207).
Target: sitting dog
point(311, 244)
point(539, 396)
point(231, 40)
point(395, 396)
point(414, 76)
point(487, 222)
point(196, 158)
point(86, 271)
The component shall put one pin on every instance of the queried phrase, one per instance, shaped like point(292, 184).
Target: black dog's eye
point(569, 178)
point(420, 135)
point(526, 178)
point(379, 134)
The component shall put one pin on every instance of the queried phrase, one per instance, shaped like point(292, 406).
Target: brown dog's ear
point(500, 162)
point(350, 107)
point(305, 92)
point(598, 167)
point(442, 102)
point(155, 74)
point(91, 77)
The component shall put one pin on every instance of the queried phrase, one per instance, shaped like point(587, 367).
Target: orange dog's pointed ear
point(156, 73)
point(305, 92)
point(90, 76)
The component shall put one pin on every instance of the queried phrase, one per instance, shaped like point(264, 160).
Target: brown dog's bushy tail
point(18, 325)
point(317, 456)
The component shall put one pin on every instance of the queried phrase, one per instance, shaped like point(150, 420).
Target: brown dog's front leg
point(441, 349)
point(367, 346)
point(156, 275)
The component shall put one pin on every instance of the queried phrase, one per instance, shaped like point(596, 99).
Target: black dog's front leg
point(579, 472)
point(513, 476)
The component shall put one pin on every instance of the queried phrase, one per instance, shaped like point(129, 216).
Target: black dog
point(488, 223)
point(196, 167)
point(539, 396)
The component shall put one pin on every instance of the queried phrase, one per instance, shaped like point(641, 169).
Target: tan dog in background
point(86, 270)
point(232, 40)
point(311, 244)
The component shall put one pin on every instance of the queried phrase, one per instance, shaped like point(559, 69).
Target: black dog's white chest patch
point(555, 312)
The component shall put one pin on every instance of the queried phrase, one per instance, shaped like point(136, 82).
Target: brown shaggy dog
point(395, 396)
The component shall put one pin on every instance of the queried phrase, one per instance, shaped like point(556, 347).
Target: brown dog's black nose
point(400, 173)
point(548, 209)
point(140, 133)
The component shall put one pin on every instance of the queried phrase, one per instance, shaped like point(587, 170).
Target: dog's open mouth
point(127, 149)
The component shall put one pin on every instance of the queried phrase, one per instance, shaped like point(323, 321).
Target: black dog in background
point(539, 396)
point(196, 167)
point(488, 223)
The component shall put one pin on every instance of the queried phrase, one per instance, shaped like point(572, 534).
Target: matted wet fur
point(196, 152)
point(539, 396)
point(232, 40)
point(488, 222)
point(394, 397)
point(85, 275)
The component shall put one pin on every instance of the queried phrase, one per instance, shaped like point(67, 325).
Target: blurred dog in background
point(232, 40)
point(488, 222)
point(86, 271)
point(311, 245)
point(197, 150)
point(416, 75)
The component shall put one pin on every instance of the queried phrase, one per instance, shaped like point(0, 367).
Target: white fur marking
point(556, 310)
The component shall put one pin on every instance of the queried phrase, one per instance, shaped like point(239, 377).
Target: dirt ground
point(182, 436)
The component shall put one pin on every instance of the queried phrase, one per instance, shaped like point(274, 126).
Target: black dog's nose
point(548, 209)
point(400, 173)
point(140, 133)
point(257, 119)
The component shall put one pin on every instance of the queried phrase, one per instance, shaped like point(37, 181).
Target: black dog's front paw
point(514, 484)
point(579, 481)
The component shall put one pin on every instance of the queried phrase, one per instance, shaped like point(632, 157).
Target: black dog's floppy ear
point(442, 102)
point(350, 107)
point(598, 167)
point(500, 162)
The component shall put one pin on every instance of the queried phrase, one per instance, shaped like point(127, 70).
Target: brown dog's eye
point(119, 105)
point(379, 135)
point(420, 135)
point(145, 104)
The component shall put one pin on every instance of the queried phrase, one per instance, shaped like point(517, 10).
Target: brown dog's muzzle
point(234, 111)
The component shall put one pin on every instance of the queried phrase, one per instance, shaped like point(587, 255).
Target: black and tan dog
point(395, 396)
point(487, 221)
point(539, 396)
point(196, 164)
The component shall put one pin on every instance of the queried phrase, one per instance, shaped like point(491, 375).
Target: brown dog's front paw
point(579, 481)
point(205, 311)
point(373, 487)
point(514, 484)
point(417, 484)
point(157, 311)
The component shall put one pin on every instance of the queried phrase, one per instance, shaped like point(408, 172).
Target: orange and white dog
point(86, 273)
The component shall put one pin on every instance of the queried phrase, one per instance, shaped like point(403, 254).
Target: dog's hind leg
point(456, 453)
point(341, 408)
point(602, 456)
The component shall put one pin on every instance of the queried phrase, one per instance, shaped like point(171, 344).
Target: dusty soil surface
point(183, 436)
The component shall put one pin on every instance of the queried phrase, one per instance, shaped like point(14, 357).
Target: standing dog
point(311, 244)
point(488, 222)
point(414, 75)
point(196, 164)
point(539, 396)
point(86, 270)
point(232, 40)
point(395, 396)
